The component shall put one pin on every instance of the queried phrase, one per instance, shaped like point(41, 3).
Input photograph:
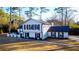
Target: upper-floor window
point(32, 27)
point(24, 26)
point(38, 27)
point(27, 27)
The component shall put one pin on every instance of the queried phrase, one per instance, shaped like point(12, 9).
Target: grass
point(76, 43)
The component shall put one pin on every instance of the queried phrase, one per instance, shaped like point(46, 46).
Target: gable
point(32, 21)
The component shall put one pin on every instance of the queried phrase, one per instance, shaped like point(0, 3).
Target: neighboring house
point(58, 32)
point(34, 29)
point(40, 30)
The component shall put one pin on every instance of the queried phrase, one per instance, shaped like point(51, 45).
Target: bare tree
point(66, 13)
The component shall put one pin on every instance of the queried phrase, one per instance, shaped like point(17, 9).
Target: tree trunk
point(62, 17)
point(19, 13)
point(10, 21)
point(40, 15)
point(66, 17)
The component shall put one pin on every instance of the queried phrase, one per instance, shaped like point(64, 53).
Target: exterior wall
point(57, 34)
point(45, 28)
point(49, 34)
point(30, 23)
point(66, 35)
point(32, 32)
point(32, 35)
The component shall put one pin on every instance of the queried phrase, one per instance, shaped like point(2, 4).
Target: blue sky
point(48, 14)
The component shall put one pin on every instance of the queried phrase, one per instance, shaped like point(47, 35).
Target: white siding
point(57, 34)
point(32, 32)
point(32, 22)
point(45, 29)
point(32, 35)
point(49, 34)
point(65, 34)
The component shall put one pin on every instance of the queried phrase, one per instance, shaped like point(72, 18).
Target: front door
point(26, 35)
point(37, 35)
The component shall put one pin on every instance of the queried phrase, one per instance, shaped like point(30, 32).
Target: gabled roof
point(58, 29)
point(41, 21)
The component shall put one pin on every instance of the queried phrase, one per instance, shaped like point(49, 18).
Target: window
point(30, 27)
point(33, 27)
point(24, 26)
point(27, 27)
point(38, 27)
point(53, 34)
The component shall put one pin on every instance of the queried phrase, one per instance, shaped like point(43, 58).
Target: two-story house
point(32, 28)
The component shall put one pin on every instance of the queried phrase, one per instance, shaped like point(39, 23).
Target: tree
point(19, 9)
point(69, 15)
point(30, 12)
point(43, 10)
point(10, 17)
point(66, 13)
point(14, 17)
point(3, 20)
point(59, 10)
